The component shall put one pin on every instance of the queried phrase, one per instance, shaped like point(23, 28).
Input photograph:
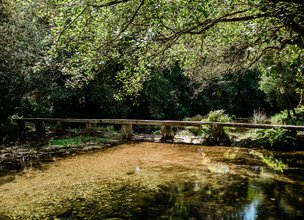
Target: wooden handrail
point(160, 122)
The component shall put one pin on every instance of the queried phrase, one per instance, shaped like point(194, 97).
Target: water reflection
point(258, 200)
point(194, 200)
point(158, 182)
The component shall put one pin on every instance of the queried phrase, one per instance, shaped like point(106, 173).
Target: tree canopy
point(207, 38)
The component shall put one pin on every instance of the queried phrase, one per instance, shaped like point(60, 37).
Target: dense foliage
point(149, 58)
point(275, 138)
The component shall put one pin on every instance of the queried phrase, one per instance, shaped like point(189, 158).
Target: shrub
point(282, 117)
point(217, 116)
point(215, 134)
point(197, 117)
point(259, 117)
point(275, 138)
point(78, 141)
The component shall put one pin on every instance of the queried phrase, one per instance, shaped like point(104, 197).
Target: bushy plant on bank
point(283, 117)
point(259, 117)
point(274, 138)
point(215, 134)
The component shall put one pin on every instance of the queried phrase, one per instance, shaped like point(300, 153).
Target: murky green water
point(159, 181)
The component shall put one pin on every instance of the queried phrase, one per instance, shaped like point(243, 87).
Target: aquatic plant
point(270, 161)
point(230, 154)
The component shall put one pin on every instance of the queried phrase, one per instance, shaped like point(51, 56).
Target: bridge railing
point(127, 129)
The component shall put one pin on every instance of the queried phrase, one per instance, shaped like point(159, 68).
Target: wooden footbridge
point(127, 129)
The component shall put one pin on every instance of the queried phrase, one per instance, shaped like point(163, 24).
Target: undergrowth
point(274, 138)
point(282, 117)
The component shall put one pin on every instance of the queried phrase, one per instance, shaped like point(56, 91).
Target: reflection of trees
point(273, 199)
point(219, 199)
point(223, 198)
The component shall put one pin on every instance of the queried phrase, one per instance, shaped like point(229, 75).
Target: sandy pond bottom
point(158, 181)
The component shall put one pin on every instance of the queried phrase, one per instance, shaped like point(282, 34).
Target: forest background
point(149, 59)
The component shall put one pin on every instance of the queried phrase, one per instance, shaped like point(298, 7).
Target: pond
point(160, 181)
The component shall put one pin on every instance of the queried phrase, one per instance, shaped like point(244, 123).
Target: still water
point(160, 181)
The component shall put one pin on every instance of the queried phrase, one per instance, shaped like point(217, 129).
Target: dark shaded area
point(235, 199)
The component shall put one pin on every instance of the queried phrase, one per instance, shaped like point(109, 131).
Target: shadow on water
point(249, 200)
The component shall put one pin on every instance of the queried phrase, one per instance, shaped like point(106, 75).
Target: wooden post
point(90, 126)
point(21, 127)
point(167, 133)
point(217, 131)
point(59, 125)
point(40, 128)
point(127, 130)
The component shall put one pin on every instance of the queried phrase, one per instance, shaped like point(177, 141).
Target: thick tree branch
point(209, 23)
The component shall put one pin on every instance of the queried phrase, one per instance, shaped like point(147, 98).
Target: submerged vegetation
point(270, 161)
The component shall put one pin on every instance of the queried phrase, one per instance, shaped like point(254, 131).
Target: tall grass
point(259, 117)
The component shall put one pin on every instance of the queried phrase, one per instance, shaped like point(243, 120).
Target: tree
point(208, 38)
point(282, 80)
point(20, 49)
